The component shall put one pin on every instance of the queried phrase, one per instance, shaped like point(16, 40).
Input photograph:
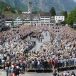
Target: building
point(17, 21)
point(59, 19)
point(8, 23)
point(13, 23)
point(52, 20)
point(40, 21)
point(36, 21)
point(45, 20)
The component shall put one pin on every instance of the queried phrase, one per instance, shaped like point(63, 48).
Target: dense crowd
point(64, 73)
point(60, 51)
point(12, 47)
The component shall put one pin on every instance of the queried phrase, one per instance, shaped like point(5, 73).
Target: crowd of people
point(64, 73)
point(60, 51)
point(12, 47)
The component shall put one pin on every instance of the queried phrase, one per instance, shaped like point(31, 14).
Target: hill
point(4, 7)
point(44, 5)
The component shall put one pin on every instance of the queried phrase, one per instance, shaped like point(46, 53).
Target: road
point(37, 74)
point(3, 73)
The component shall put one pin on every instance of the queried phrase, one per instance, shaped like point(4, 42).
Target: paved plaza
point(3, 73)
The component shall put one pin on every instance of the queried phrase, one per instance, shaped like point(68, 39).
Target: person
point(55, 73)
point(17, 71)
point(12, 70)
point(73, 74)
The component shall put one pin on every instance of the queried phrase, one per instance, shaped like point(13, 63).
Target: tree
point(52, 11)
point(12, 10)
point(71, 17)
point(35, 12)
point(64, 13)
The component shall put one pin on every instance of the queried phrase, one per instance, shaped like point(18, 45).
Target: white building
point(17, 21)
point(8, 23)
point(36, 21)
point(59, 19)
point(45, 20)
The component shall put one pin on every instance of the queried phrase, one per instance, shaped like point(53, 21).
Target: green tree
point(12, 10)
point(52, 11)
point(35, 12)
point(65, 14)
point(71, 17)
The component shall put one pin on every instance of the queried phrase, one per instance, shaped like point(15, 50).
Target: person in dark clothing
point(23, 67)
point(35, 64)
point(55, 73)
point(17, 70)
point(73, 74)
point(45, 65)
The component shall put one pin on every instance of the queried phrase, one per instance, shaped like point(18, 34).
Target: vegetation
point(35, 12)
point(52, 11)
point(71, 17)
point(7, 8)
point(65, 14)
point(2, 7)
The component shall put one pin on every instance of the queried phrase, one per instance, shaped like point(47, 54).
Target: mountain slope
point(18, 4)
point(44, 5)
point(6, 8)
point(58, 4)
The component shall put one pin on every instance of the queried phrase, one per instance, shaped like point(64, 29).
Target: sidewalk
point(37, 74)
